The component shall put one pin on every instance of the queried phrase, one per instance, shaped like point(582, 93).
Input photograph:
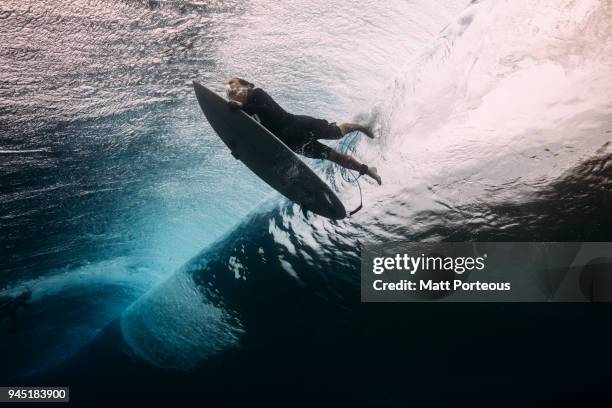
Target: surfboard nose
point(198, 86)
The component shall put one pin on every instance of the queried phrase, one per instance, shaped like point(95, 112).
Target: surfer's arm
point(258, 102)
point(234, 104)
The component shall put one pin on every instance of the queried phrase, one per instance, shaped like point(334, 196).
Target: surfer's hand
point(234, 104)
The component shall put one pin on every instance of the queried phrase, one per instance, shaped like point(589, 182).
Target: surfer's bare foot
point(346, 128)
point(367, 130)
point(373, 173)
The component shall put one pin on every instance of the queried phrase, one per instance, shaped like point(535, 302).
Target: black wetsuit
point(299, 132)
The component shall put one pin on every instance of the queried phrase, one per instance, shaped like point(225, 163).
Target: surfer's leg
point(317, 150)
point(315, 129)
point(346, 128)
point(347, 162)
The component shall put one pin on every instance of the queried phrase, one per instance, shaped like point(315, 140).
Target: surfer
point(300, 132)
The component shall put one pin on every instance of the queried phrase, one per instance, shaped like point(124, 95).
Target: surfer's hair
point(246, 83)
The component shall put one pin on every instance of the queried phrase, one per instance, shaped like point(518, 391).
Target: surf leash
point(347, 144)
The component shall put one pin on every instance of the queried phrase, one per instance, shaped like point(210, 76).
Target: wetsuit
point(299, 132)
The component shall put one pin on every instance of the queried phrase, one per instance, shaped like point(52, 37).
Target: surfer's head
point(238, 88)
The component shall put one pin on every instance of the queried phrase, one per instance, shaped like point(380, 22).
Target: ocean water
point(155, 258)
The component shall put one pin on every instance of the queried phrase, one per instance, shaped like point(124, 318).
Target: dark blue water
point(157, 262)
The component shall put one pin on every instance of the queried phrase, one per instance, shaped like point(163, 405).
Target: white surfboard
point(268, 157)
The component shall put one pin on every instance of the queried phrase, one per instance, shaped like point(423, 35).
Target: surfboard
point(268, 157)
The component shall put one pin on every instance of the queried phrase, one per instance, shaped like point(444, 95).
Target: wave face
point(500, 130)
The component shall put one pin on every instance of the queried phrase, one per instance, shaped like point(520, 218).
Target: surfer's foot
point(373, 173)
point(346, 128)
point(367, 130)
